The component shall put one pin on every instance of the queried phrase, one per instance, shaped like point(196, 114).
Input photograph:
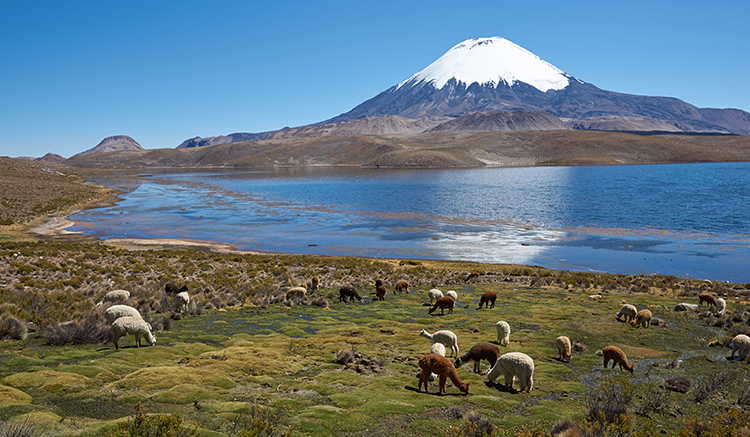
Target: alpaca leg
point(424, 379)
point(508, 381)
point(476, 366)
point(442, 383)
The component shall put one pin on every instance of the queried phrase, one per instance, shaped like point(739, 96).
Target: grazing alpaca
point(348, 293)
point(380, 292)
point(401, 286)
point(441, 366)
point(378, 283)
point(477, 353)
point(314, 283)
point(171, 288)
point(514, 365)
point(617, 356)
point(472, 276)
point(443, 303)
point(628, 311)
point(296, 292)
point(710, 299)
point(488, 298)
point(563, 348)
point(643, 318)
point(447, 338)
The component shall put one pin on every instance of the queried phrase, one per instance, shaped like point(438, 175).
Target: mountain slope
point(492, 74)
point(112, 144)
point(501, 121)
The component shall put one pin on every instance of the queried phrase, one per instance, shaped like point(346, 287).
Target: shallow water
point(690, 220)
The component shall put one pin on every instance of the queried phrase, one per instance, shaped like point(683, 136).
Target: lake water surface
point(689, 220)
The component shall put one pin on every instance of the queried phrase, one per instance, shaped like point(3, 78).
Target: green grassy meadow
point(248, 353)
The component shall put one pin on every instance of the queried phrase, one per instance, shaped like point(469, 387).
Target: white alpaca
point(181, 301)
point(132, 326)
point(447, 338)
point(721, 307)
point(628, 311)
point(434, 294)
point(503, 333)
point(116, 311)
point(514, 365)
point(741, 343)
point(686, 307)
point(115, 296)
point(452, 294)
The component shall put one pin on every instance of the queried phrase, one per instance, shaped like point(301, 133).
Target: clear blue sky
point(75, 72)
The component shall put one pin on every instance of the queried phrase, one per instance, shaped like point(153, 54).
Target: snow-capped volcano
point(494, 74)
point(490, 62)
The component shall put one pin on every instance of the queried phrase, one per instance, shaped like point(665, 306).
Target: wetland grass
point(238, 357)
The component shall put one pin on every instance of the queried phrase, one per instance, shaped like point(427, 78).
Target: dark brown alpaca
point(441, 366)
point(314, 283)
point(171, 288)
point(487, 299)
point(380, 292)
point(348, 293)
point(401, 287)
point(443, 303)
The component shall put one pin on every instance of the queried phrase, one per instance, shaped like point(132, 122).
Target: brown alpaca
point(380, 292)
point(487, 299)
point(472, 276)
point(441, 366)
point(443, 303)
point(710, 299)
point(477, 353)
point(643, 318)
point(401, 286)
point(617, 356)
point(314, 283)
point(348, 293)
point(171, 288)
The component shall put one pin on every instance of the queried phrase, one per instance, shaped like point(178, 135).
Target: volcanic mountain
point(494, 74)
point(113, 143)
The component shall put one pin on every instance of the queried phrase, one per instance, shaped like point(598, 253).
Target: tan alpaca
point(441, 366)
point(617, 356)
point(563, 348)
point(710, 299)
point(643, 318)
point(401, 286)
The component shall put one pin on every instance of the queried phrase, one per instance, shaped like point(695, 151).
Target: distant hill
point(501, 121)
point(51, 158)
point(436, 150)
point(381, 125)
point(223, 139)
point(113, 144)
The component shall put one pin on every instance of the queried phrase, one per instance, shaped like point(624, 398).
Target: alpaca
point(503, 333)
point(472, 276)
point(488, 298)
point(643, 318)
point(514, 365)
point(434, 294)
point(348, 293)
point(401, 287)
point(618, 357)
point(314, 284)
point(477, 353)
point(132, 326)
point(441, 366)
point(296, 292)
point(443, 303)
point(628, 311)
point(380, 292)
point(563, 348)
point(171, 288)
point(708, 298)
point(447, 338)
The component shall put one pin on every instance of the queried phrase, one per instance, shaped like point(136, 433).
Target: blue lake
point(688, 220)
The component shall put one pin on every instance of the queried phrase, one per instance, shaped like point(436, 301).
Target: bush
point(92, 329)
point(11, 328)
point(610, 400)
point(257, 422)
point(22, 429)
point(160, 425)
point(716, 383)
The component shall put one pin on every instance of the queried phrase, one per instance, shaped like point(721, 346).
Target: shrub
point(92, 329)
point(713, 384)
point(11, 328)
point(22, 429)
point(160, 425)
point(610, 400)
point(257, 422)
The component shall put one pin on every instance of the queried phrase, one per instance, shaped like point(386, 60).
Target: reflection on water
point(686, 220)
